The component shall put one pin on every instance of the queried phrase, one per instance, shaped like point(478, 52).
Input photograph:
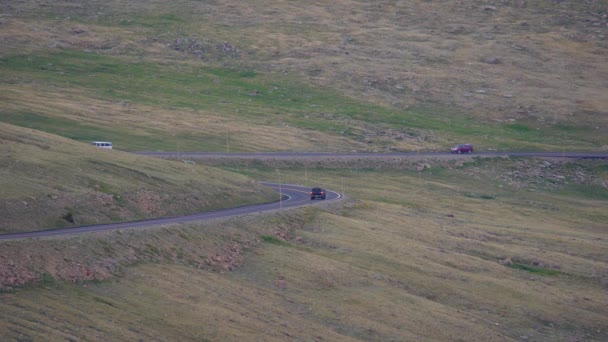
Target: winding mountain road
point(292, 196)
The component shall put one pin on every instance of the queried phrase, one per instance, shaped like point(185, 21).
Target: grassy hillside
point(339, 75)
point(456, 252)
point(51, 182)
point(441, 249)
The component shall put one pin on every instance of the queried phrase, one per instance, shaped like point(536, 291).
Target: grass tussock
point(272, 239)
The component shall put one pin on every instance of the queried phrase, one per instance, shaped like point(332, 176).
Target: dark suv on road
point(317, 193)
point(462, 148)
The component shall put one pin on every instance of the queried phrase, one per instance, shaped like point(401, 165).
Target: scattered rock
point(423, 166)
point(69, 217)
point(204, 49)
point(77, 31)
point(492, 60)
point(506, 262)
point(280, 283)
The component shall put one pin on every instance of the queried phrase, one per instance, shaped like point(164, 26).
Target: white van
point(102, 144)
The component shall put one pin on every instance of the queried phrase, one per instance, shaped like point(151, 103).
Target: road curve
point(292, 196)
point(326, 155)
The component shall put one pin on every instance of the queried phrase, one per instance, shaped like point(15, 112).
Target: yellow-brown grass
point(548, 66)
point(407, 256)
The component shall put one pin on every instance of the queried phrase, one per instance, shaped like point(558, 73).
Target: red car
point(462, 148)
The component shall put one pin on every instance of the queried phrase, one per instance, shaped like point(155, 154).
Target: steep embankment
point(50, 182)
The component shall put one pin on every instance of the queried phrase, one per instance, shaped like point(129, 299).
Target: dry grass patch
point(408, 256)
point(75, 114)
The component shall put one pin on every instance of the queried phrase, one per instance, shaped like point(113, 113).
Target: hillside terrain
point(286, 75)
point(504, 250)
point(430, 249)
point(52, 182)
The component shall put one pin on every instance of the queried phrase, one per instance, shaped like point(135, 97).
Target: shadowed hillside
point(51, 182)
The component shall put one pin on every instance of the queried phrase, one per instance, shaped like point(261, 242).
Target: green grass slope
point(51, 182)
point(334, 75)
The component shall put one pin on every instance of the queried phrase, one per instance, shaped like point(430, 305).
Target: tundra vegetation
point(407, 255)
point(426, 249)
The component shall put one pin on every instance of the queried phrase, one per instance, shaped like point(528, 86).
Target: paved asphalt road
point(293, 196)
point(322, 155)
